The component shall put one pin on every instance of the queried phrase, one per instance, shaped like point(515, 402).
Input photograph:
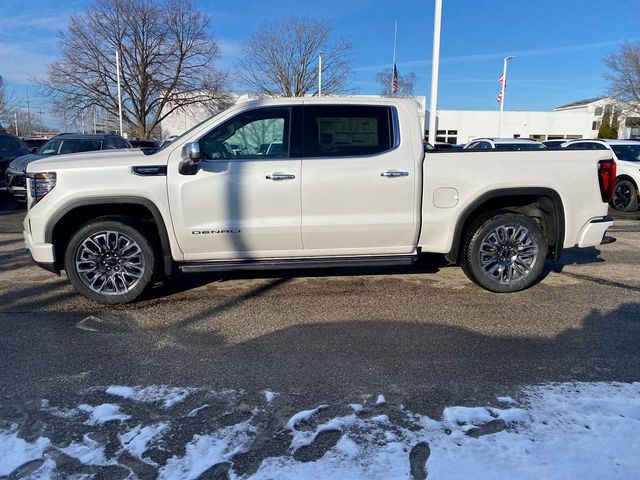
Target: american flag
point(394, 82)
point(501, 78)
point(500, 96)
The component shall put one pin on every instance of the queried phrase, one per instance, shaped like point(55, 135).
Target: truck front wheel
point(110, 261)
point(504, 252)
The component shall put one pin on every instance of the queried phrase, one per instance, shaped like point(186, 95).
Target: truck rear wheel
point(504, 252)
point(110, 261)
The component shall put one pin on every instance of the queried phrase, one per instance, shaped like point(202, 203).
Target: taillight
point(607, 179)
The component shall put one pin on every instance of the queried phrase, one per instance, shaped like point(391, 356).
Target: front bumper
point(43, 254)
point(593, 232)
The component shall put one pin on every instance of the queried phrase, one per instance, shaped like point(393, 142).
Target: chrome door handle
point(394, 173)
point(281, 176)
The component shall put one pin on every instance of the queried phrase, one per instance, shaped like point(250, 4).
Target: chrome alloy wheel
point(109, 262)
point(508, 253)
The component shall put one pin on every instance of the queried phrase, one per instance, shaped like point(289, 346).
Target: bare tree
point(167, 58)
point(6, 105)
point(406, 83)
point(623, 77)
point(281, 59)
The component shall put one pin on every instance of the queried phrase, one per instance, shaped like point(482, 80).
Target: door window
point(341, 131)
point(256, 134)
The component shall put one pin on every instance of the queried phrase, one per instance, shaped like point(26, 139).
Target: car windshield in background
point(630, 153)
point(60, 146)
point(519, 146)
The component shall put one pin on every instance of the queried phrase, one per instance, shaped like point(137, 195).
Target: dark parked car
point(34, 143)
point(10, 148)
point(145, 144)
point(62, 144)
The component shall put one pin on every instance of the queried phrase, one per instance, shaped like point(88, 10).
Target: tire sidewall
point(131, 230)
point(477, 234)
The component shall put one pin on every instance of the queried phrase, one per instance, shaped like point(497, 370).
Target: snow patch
point(380, 400)
point(136, 440)
point(169, 396)
point(508, 400)
point(89, 452)
point(101, 414)
point(303, 415)
point(357, 407)
point(269, 396)
point(204, 451)
point(466, 415)
point(15, 451)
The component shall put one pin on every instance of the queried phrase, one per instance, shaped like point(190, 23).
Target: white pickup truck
point(302, 183)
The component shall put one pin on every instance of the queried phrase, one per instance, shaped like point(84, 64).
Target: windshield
point(630, 153)
point(60, 146)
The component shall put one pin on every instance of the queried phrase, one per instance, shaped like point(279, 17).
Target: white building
point(575, 120)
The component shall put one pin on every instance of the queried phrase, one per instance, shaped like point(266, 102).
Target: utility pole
point(437, 21)
point(41, 126)
point(28, 111)
point(502, 93)
point(15, 119)
point(393, 66)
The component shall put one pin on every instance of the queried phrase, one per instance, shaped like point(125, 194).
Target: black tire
point(108, 269)
point(507, 262)
point(625, 196)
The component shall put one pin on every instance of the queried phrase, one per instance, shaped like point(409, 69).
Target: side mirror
point(191, 157)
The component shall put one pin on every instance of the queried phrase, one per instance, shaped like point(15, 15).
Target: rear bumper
point(593, 232)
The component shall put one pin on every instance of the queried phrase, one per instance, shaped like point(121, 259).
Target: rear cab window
point(346, 130)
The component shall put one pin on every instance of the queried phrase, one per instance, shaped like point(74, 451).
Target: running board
point(275, 264)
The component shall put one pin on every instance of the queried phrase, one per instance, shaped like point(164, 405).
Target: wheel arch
point(625, 176)
point(68, 219)
point(545, 201)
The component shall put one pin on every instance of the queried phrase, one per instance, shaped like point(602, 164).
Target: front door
point(244, 201)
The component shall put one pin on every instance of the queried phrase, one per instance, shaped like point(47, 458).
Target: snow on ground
point(557, 431)
point(205, 451)
point(15, 451)
point(104, 413)
point(169, 396)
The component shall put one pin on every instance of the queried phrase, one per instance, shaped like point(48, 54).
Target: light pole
point(502, 93)
point(437, 20)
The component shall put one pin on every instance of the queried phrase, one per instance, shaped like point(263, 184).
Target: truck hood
point(105, 158)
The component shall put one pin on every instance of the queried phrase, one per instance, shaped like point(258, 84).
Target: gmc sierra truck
point(310, 182)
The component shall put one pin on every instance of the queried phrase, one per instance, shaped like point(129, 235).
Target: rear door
point(358, 182)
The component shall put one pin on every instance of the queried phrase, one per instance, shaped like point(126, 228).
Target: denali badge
point(221, 230)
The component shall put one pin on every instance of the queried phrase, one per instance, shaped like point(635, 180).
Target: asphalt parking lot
point(425, 338)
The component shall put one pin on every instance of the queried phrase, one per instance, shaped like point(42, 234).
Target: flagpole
point(437, 22)
point(393, 66)
point(502, 93)
point(320, 74)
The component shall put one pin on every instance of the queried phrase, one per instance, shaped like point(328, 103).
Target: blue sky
point(558, 45)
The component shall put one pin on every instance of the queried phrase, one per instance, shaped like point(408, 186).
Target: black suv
point(10, 147)
point(59, 145)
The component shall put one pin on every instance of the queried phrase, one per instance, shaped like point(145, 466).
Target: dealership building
point(580, 119)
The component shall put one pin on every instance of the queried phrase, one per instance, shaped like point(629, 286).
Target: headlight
point(41, 184)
